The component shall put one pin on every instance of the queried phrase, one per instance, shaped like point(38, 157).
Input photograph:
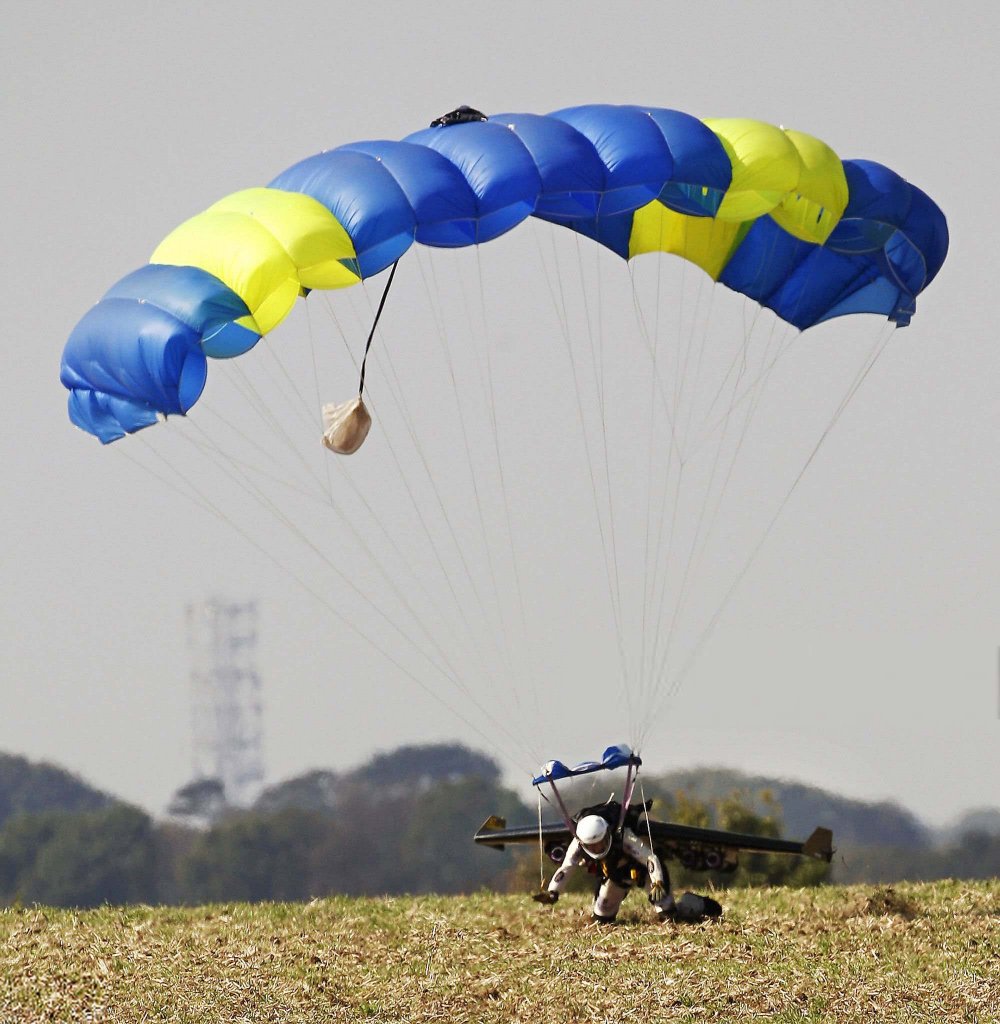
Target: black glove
point(545, 897)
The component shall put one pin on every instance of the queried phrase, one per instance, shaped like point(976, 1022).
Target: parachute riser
point(563, 810)
point(631, 777)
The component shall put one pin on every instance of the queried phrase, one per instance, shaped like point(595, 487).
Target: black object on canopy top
point(460, 115)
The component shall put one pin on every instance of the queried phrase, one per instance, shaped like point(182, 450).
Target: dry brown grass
point(914, 953)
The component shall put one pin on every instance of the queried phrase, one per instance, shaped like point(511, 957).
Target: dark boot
point(691, 907)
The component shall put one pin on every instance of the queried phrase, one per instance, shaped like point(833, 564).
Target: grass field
point(913, 953)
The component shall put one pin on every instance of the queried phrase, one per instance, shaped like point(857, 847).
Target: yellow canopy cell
point(314, 239)
point(704, 241)
point(812, 211)
point(267, 245)
point(765, 162)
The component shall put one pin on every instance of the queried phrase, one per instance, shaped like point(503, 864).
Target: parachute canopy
point(771, 213)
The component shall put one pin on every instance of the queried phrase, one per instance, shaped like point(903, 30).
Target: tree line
point(402, 823)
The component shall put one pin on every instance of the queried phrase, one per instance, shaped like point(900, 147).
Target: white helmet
point(594, 836)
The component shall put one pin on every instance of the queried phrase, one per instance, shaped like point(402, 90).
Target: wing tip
point(819, 845)
point(494, 823)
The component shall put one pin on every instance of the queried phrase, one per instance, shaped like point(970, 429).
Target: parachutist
point(623, 862)
point(605, 839)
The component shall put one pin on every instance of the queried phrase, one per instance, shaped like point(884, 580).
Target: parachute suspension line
point(446, 670)
point(670, 411)
point(284, 480)
point(686, 433)
point(742, 358)
point(786, 339)
point(560, 306)
point(787, 335)
point(653, 353)
point(693, 562)
point(666, 563)
point(277, 425)
point(277, 429)
point(564, 321)
point(348, 479)
point(678, 334)
point(249, 469)
point(502, 644)
point(515, 562)
point(713, 517)
point(399, 468)
point(683, 589)
point(444, 344)
point(742, 354)
point(688, 336)
point(332, 312)
point(859, 378)
point(397, 393)
point(756, 391)
point(662, 567)
point(696, 336)
point(868, 364)
point(645, 813)
point(656, 384)
point(316, 393)
point(597, 368)
point(207, 505)
point(371, 333)
point(267, 503)
point(181, 485)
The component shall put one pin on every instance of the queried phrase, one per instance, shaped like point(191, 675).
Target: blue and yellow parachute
point(768, 212)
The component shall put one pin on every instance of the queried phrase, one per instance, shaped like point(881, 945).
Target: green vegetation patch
point(914, 953)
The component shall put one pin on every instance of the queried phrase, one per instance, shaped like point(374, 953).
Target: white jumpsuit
point(609, 898)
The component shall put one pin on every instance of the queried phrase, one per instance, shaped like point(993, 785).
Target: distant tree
point(979, 819)
point(976, 854)
point(436, 849)
point(313, 791)
point(414, 766)
point(21, 841)
point(80, 860)
point(173, 844)
point(199, 802)
point(854, 822)
point(28, 787)
point(740, 811)
point(254, 856)
point(972, 855)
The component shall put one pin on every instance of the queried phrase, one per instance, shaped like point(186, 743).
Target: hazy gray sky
point(860, 652)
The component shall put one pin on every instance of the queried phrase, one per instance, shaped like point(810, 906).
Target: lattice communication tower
point(226, 705)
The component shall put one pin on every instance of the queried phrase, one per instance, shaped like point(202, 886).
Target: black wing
point(697, 848)
point(555, 836)
point(713, 850)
